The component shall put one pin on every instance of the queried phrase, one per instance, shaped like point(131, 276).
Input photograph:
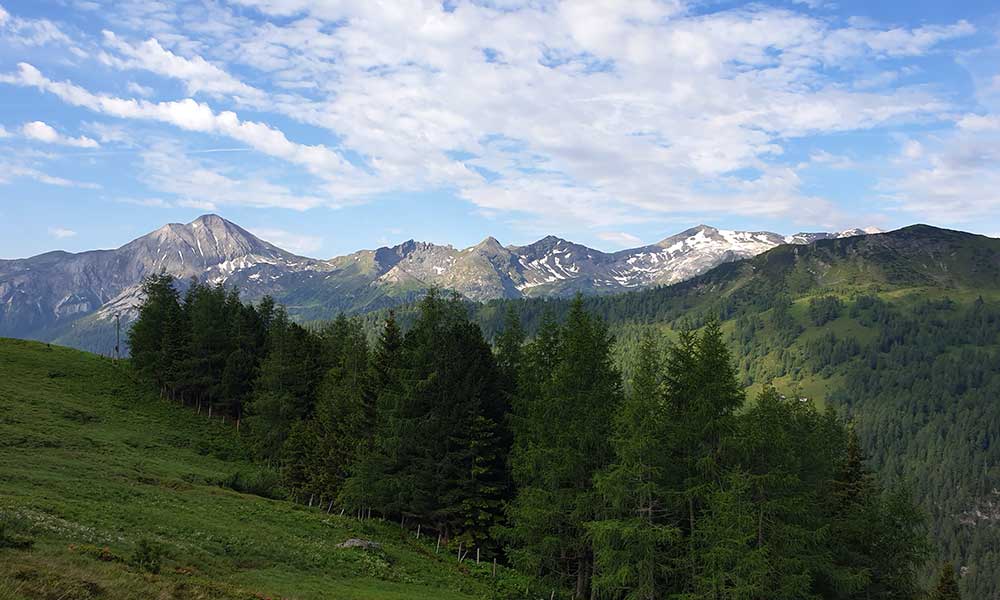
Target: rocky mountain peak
point(490, 245)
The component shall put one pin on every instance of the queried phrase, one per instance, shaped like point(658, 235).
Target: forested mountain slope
point(899, 332)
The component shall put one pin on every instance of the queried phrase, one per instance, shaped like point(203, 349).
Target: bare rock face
point(73, 298)
point(359, 543)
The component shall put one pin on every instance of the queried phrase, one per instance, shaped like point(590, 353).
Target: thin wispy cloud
point(61, 232)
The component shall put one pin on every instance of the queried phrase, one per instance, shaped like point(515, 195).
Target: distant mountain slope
point(73, 298)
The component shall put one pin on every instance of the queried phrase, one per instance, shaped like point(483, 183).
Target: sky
point(327, 126)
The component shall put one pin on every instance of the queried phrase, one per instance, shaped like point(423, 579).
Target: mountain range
point(60, 296)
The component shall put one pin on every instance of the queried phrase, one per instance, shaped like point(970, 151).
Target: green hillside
point(91, 471)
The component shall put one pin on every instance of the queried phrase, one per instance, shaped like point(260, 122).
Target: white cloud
point(43, 132)
point(189, 115)
point(296, 243)
point(139, 90)
point(953, 179)
point(3, 132)
point(198, 75)
point(979, 122)
point(61, 232)
point(912, 149)
point(10, 172)
point(620, 238)
point(198, 185)
point(34, 32)
point(600, 113)
point(206, 205)
point(110, 134)
point(832, 161)
point(147, 202)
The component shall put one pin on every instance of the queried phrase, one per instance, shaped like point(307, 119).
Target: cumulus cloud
point(198, 75)
point(602, 114)
point(43, 132)
point(953, 178)
point(61, 232)
point(3, 132)
point(190, 115)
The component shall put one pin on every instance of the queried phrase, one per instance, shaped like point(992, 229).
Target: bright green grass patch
point(87, 462)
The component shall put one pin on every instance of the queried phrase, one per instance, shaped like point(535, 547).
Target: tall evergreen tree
point(702, 395)
point(632, 547)
point(285, 388)
point(368, 484)
point(786, 456)
point(568, 441)
point(341, 419)
point(208, 343)
point(879, 536)
point(436, 458)
point(510, 348)
point(947, 585)
point(151, 355)
point(728, 563)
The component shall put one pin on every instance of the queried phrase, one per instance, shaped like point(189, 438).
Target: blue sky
point(328, 125)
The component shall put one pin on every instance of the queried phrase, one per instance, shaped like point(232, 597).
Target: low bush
point(262, 482)
point(147, 556)
point(8, 539)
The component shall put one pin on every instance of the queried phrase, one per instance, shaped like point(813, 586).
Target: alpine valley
point(73, 299)
point(894, 336)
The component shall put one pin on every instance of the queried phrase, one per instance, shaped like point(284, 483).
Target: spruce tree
point(879, 537)
point(783, 459)
point(702, 395)
point(510, 348)
point(285, 388)
point(368, 485)
point(632, 547)
point(438, 457)
point(341, 418)
point(947, 585)
point(729, 564)
point(568, 429)
point(147, 339)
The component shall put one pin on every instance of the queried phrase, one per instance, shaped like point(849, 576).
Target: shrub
point(101, 553)
point(263, 482)
point(147, 556)
point(9, 540)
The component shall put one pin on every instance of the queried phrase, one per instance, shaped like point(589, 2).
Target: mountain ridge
point(43, 295)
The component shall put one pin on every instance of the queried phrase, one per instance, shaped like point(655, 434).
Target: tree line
point(669, 485)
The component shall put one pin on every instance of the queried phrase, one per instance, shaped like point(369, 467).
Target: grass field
point(92, 471)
